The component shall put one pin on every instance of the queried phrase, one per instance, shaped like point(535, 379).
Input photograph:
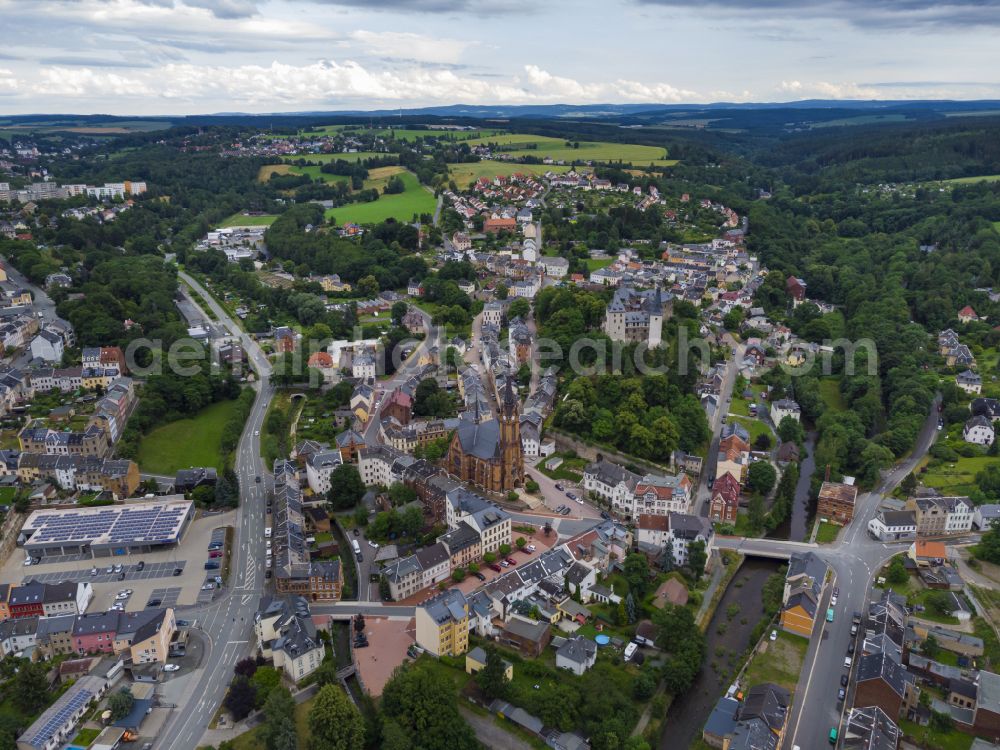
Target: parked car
point(841, 694)
point(373, 545)
point(110, 569)
point(170, 667)
point(496, 568)
point(844, 680)
point(559, 487)
point(178, 571)
point(504, 564)
point(118, 568)
point(154, 602)
point(480, 576)
point(93, 571)
point(258, 480)
point(847, 662)
point(183, 623)
point(774, 635)
point(850, 647)
point(565, 511)
point(141, 565)
point(121, 576)
point(571, 496)
point(267, 574)
point(357, 532)
point(510, 560)
point(605, 515)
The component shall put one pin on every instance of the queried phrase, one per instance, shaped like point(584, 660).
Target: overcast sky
point(147, 57)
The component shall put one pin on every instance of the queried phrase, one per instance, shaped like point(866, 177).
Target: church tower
point(511, 453)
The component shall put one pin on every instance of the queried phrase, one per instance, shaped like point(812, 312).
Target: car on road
point(141, 565)
point(723, 419)
point(565, 511)
point(530, 548)
point(605, 515)
point(510, 561)
point(774, 635)
point(844, 679)
point(110, 569)
point(154, 602)
point(841, 694)
point(833, 599)
point(118, 568)
point(496, 568)
point(178, 571)
point(170, 667)
point(121, 576)
point(559, 487)
point(256, 433)
point(829, 615)
point(571, 496)
point(833, 735)
point(258, 480)
point(267, 533)
point(183, 623)
point(373, 545)
point(357, 532)
point(93, 571)
point(479, 575)
point(848, 661)
point(504, 564)
point(940, 424)
point(710, 483)
point(267, 574)
point(850, 647)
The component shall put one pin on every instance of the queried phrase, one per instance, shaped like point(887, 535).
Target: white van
point(267, 532)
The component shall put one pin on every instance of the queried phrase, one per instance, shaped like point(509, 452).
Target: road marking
point(232, 643)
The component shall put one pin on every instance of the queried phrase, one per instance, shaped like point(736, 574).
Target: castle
point(634, 315)
point(487, 452)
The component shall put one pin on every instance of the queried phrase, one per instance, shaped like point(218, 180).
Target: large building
point(488, 452)
point(443, 624)
point(637, 316)
point(107, 530)
point(58, 722)
point(286, 635)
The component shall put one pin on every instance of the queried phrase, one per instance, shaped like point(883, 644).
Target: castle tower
point(511, 453)
point(655, 309)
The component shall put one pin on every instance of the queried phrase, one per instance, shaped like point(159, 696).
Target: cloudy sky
point(148, 57)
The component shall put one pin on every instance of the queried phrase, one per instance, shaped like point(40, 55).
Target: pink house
point(95, 633)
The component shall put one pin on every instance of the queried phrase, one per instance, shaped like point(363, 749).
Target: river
point(798, 525)
point(723, 654)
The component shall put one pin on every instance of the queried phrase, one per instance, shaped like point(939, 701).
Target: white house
point(47, 345)
point(363, 366)
point(960, 515)
point(679, 529)
point(493, 314)
point(577, 654)
point(893, 525)
point(785, 408)
point(978, 430)
point(985, 515)
point(969, 382)
point(557, 268)
point(319, 469)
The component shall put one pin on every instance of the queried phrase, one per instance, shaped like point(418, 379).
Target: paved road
point(228, 623)
point(41, 303)
point(854, 559)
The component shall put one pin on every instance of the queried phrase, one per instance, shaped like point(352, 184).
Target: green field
point(324, 158)
point(780, 663)
point(542, 146)
point(402, 206)
point(957, 477)
point(755, 427)
point(465, 174)
point(970, 180)
point(860, 120)
point(827, 533)
point(595, 264)
point(829, 391)
point(239, 220)
point(186, 442)
point(996, 225)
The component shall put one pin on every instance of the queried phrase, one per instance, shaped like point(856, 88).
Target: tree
point(398, 311)
point(697, 558)
point(368, 286)
point(909, 484)
point(761, 477)
point(424, 705)
point(265, 680)
point(241, 698)
point(334, 722)
point(897, 573)
point(120, 704)
point(501, 291)
point(492, 678)
point(30, 687)
point(930, 646)
point(790, 431)
point(521, 542)
point(643, 686)
point(246, 667)
point(279, 722)
point(938, 602)
point(505, 549)
point(637, 573)
point(519, 308)
point(346, 487)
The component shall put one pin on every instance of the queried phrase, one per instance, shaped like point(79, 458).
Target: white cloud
point(412, 46)
point(85, 82)
point(827, 90)
point(8, 83)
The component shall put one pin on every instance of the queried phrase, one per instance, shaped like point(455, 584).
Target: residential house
point(528, 636)
point(939, 516)
point(985, 516)
point(894, 525)
point(979, 431)
point(475, 660)
point(804, 582)
point(287, 636)
point(870, 728)
point(57, 724)
point(725, 503)
point(426, 567)
point(442, 624)
point(784, 407)
point(836, 502)
point(969, 382)
point(967, 315)
point(577, 654)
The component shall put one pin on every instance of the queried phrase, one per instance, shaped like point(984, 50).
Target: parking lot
point(131, 571)
point(157, 575)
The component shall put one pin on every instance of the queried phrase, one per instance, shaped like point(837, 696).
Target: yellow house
point(476, 660)
point(146, 635)
point(802, 594)
point(799, 616)
point(443, 624)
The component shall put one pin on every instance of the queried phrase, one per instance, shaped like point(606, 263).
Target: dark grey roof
point(578, 649)
point(479, 438)
point(870, 729)
point(884, 666)
point(768, 702)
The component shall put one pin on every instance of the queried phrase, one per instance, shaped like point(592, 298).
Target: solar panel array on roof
point(57, 721)
point(157, 522)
